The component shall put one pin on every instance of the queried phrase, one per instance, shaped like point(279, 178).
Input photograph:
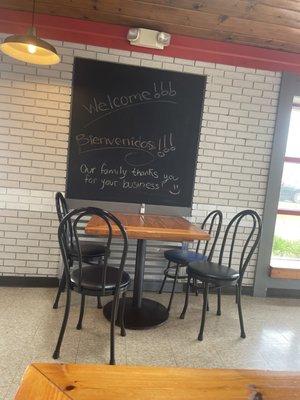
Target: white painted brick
point(145, 56)
point(129, 60)
point(119, 52)
point(193, 70)
point(172, 67)
point(84, 53)
point(107, 57)
point(151, 64)
point(163, 58)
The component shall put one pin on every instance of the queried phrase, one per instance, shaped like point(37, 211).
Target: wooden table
point(142, 313)
point(103, 382)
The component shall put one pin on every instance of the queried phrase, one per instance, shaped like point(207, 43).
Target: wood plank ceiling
point(273, 24)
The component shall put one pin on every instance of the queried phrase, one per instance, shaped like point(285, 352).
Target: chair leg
point(195, 285)
point(63, 326)
point(173, 288)
point(219, 301)
point(205, 296)
point(243, 334)
point(79, 324)
point(61, 288)
point(207, 303)
point(112, 329)
point(123, 331)
point(165, 278)
point(99, 304)
point(182, 315)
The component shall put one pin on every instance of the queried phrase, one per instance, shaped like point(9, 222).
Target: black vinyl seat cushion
point(89, 249)
point(92, 278)
point(209, 271)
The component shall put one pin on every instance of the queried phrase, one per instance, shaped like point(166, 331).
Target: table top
point(150, 226)
point(103, 382)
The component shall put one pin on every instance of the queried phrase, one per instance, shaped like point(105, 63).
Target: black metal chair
point(218, 275)
point(181, 257)
point(92, 280)
point(90, 250)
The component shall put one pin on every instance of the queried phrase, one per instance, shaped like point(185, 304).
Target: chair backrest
point(248, 224)
point(212, 223)
point(61, 206)
point(78, 217)
point(62, 210)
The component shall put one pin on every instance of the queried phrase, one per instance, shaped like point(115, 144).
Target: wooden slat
point(243, 9)
point(284, 273)
point(265, 23)
point(102, 382)
point(155, 227)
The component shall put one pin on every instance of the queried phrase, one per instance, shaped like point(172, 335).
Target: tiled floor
point(29, 328)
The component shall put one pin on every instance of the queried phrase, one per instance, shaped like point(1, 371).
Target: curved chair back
point(61, 206)
point(242, 246)
point(212, 223)
point(62, 210)
point(77, 217)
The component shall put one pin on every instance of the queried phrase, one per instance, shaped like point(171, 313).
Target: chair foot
point(243, 335)
point(219, 312)
point(112, 362)
point(79, 327)
point(55, 355)
point(182, 315)
point(55, 306)
point(200, 338)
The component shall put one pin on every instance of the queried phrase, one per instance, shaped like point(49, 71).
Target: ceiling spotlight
point(148, 38)
point(164, 38)
point(30, 48)
point(133, 34)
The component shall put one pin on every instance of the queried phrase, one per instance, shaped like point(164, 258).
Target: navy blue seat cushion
point(92, 278)
point(180, 256)
point(209, 271)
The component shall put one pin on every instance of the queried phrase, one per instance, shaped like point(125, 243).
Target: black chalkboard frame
point(137, 201)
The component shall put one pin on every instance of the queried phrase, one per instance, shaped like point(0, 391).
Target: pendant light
point(29, 48)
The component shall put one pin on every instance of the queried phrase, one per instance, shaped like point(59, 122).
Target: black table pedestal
point(139, 313)
point(150, 314)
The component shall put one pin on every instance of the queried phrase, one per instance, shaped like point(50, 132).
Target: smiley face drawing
point(175, 190)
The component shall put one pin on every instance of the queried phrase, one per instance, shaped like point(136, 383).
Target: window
point(286, 243)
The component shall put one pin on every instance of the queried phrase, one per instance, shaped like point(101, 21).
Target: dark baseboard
point(284, 293)
point(27, 281)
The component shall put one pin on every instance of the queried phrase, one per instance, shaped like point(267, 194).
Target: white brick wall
point(234, 152)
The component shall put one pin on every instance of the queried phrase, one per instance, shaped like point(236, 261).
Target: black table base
point(150, 314)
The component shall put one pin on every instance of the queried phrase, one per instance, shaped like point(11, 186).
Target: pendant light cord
point(33, 13)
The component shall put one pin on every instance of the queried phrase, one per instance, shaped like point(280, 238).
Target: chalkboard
point(134, 134)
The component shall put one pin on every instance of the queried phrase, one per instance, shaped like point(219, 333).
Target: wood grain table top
point(105, 382)
point(145, 226)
